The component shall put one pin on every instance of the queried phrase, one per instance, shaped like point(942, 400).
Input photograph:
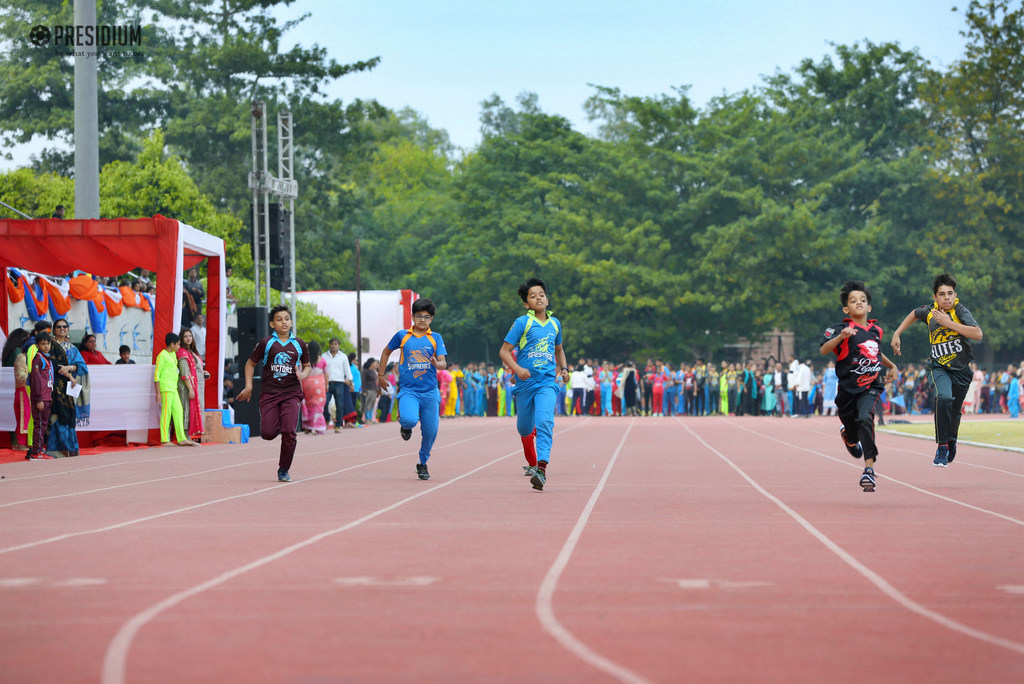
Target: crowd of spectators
point(766, 388)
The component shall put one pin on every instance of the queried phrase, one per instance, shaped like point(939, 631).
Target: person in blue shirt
point(537, 341)
point(419, 399)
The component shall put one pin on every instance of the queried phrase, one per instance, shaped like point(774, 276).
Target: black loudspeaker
point(252, 327)
point(248, 412)
point(280, 252)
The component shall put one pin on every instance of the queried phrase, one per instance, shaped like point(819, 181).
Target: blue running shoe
point(941, 457)
point(854, 448)
point(538, 479)
point(867, 480)
point(283, 476)
point(529, 470)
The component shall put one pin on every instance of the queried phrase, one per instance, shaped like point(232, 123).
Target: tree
point(159, 184)
point(977, 223)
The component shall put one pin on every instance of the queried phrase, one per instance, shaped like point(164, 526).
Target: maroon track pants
point(279, 415)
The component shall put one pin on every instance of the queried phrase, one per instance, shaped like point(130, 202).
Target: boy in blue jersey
point(419, 400)
point(537, 341)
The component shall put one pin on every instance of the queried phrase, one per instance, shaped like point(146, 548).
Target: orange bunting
point(61, 302)
point(16, 290)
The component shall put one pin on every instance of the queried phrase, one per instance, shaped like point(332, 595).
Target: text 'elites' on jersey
point(535, 342)
point(858, 358)
point(950, 349)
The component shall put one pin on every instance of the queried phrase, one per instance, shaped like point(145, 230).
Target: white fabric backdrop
point(123, 398)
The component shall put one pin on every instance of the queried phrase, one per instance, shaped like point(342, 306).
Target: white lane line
point(848, 463)
point(173, 477)
point(127, 523)
point(870, 575)
point(544, 606)
point(182, 453)
point(115, 661)
point(917, 452)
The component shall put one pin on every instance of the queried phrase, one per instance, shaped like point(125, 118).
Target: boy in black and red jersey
point(285, 361)
point(951, 327)
point(856, 343)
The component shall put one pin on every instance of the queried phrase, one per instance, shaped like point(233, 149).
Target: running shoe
point(941, 457)
point(406, 433)
point(529, 470)
point(283, 476)
point(41, 456)
point(867, 480)
point(421, 471)
point(952, 451)
point(854, 448)
point(538, 479)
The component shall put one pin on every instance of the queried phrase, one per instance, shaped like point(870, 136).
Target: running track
point(662, 550)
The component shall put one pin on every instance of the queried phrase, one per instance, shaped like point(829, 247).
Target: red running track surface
point(662, 550)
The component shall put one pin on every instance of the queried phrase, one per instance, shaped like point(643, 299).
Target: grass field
point(1004, 433)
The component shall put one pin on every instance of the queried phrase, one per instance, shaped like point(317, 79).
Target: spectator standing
point(357, 388)
point(830, 388)
point(40, 382)
point(339, 386)
point(199, 334)
point(68, 363)
point(314, 393)
point(14, 357)
point(191, 383)
point(371, 387)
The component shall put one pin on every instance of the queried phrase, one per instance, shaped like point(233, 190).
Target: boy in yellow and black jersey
point(951, 327)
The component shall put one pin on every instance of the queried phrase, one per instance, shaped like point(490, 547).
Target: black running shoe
point(867, 480)
point(854, 448)
point(421, 471)
point(406, 433)
point(952, 451)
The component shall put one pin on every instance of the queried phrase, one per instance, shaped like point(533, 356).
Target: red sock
point(542, 466)
point(530, 448)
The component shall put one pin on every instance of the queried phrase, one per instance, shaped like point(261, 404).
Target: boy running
point(419, 399)
point(285, 362)
point(537, 339)
point(856, 343)
point(951, 327)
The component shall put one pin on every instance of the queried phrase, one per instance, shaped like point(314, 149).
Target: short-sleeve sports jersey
point(415, 371)
point(279, 361)
point(535, 342)
point(858, 358)
point(949, 349)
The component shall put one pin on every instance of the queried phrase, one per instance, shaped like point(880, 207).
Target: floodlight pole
point(87, 145)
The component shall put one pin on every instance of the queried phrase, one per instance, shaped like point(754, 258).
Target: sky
point(444, 58)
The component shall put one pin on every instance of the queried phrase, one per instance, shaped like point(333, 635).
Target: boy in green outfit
point(166, 378)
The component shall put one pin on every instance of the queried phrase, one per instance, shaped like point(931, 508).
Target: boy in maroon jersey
point(285, 362)
point(40, 384)
point(856, 343)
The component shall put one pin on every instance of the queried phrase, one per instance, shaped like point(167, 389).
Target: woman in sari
point(68, 363)
point(314, 390)
point(14, 358)
point(191, 383)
